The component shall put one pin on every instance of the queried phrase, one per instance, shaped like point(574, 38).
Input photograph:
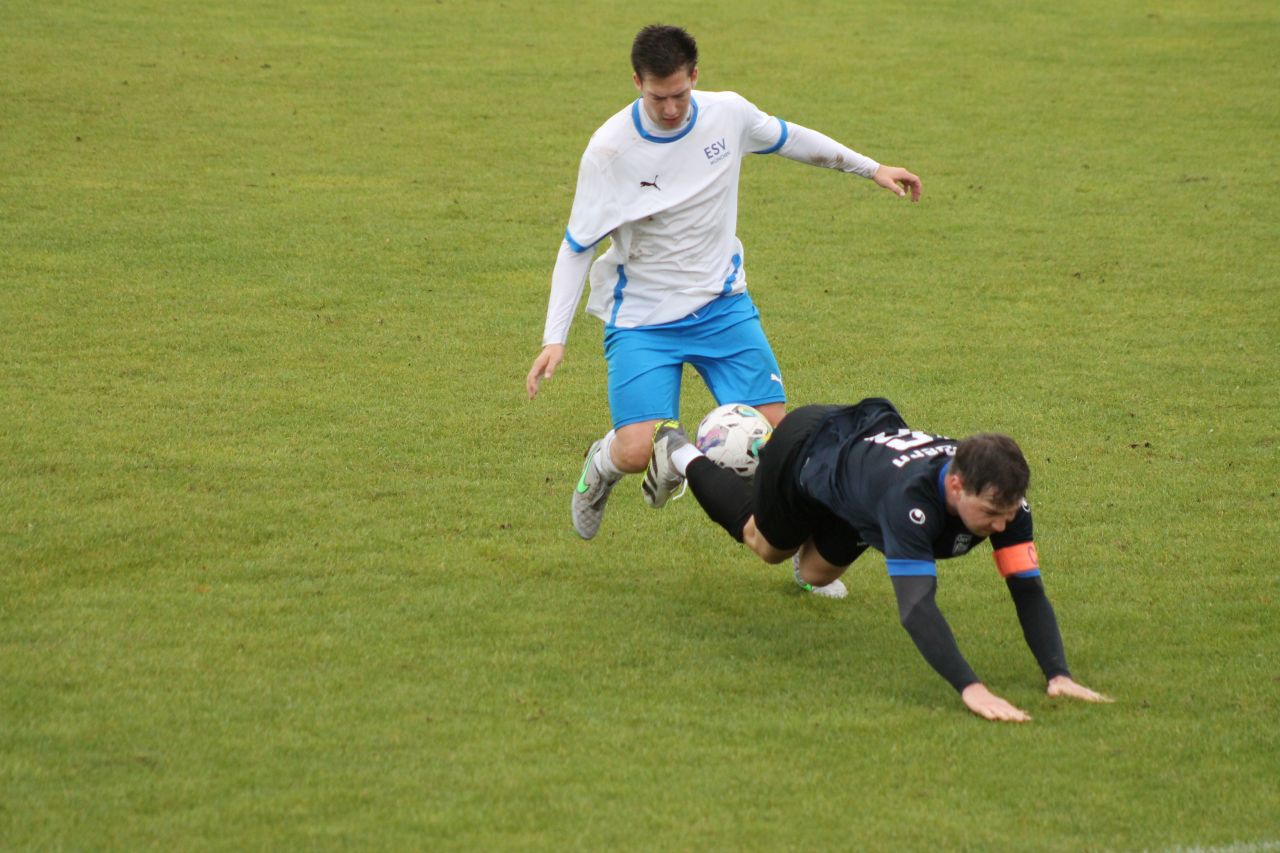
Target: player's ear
point(635, 78)
point(693, 76)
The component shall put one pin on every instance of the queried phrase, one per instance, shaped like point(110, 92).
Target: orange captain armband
point(1017, 559)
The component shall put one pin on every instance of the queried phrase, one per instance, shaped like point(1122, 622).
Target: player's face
point(981, 514)
point(666, 99)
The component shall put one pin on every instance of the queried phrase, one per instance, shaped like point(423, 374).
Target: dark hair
point(661, 51)
point(990, 459)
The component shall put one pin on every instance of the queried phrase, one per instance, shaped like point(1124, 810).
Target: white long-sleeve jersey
point(669, 204)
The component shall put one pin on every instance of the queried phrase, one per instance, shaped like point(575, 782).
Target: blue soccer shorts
point(723, 341)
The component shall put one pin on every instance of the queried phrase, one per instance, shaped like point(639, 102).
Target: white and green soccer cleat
point(590, 495)
point(661, 479)
point(835, 589)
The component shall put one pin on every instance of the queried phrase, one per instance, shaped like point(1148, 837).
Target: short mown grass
point(285, 556)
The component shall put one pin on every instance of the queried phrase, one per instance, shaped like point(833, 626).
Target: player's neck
point(653, 128)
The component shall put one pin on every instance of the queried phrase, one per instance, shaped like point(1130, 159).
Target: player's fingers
point(1013, 714)
point(533, 380)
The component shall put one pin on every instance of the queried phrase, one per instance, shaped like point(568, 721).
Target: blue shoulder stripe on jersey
point(733, 276)
point(910, 568)
point(617, 295)
point(942, 481)
point(635, 119)
point(781, 140)
point(574, 244)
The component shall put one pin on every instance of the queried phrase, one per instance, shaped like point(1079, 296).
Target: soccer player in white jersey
point(660, 180)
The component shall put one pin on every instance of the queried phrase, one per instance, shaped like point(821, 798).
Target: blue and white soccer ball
point(731, 436)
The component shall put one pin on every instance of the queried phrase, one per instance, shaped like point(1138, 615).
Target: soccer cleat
point(835, 589)
point(590, 495)
point(662, 478)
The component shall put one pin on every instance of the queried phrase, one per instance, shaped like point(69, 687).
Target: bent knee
point(631, 450)
point(754, 539)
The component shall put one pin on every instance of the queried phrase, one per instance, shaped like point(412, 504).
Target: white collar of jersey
point(647, 129)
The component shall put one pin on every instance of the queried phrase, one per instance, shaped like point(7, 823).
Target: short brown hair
point(991, 460)
point(660, 51)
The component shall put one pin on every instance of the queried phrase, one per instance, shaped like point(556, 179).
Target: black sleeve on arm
point(1039, 625)
point(919, 614)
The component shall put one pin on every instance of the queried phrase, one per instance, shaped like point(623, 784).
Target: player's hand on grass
point(898, 180)
point(1062, 685)
point(981, 701)
point(543, 366)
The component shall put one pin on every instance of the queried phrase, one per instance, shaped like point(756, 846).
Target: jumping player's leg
point(644, 387)
point(773, 412)
point(645, 368)
point(632, 445)
point(733, 356)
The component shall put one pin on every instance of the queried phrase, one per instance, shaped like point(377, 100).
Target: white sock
point(604, 459)
point(682, 456)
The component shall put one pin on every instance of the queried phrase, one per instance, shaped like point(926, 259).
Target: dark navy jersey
point(885, 479)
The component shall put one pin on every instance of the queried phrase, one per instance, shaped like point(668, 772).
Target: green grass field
point(285, 555)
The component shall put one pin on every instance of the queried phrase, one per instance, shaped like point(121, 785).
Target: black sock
point(724, 495)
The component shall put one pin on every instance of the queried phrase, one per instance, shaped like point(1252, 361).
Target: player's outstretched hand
point(1062, 685)
point(543, 366)
point(981, 701)
point(898, 180)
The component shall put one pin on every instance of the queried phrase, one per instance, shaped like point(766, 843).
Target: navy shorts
point(784, 515)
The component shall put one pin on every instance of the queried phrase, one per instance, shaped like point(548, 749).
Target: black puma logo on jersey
point(653, 183)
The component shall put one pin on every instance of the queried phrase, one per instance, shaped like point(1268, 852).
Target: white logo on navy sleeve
point(916, 515)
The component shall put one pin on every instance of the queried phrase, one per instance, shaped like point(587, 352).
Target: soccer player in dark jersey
point(835, 480)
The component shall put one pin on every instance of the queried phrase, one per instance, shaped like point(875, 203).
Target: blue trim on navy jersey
point(1029, 573)
point(617, 295)
point(635, 119)
point(574, 244)
point(911, 568)
point(733, 276)
point(942, 482)
point(781, 140)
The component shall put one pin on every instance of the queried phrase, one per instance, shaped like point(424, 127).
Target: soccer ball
point(731, 436)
